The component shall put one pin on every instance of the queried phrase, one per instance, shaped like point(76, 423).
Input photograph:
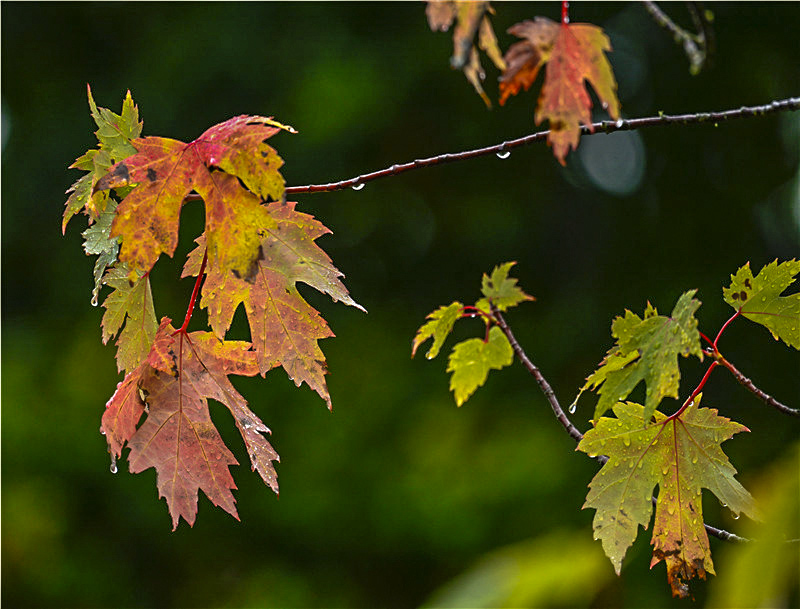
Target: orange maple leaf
point(574, 53)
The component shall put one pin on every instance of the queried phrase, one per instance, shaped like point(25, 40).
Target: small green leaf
point(130, 303)
point(501, 290)
point(99, 241)
point(472, 359)
point(647, 350)
point(760, 301)
point(115, 131)
point(439, 327)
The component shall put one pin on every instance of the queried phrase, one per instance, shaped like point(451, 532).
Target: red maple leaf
point(178, 438)
point(165, 171)
point(573, 53)
point(285, 329)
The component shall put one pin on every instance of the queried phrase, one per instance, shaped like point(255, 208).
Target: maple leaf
point(760, 300)
point(285, 329)
point(500, 290)
point(573, 53)
point(472, 19)
point(681, 456)
point(114, 133)
point(647, 350)
point(439, 327)
point(472, 359)
point(178, 438)
point(98, 241)
point(130, 303)
point(165, 171)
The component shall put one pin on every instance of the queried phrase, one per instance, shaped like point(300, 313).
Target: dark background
point(397, 491)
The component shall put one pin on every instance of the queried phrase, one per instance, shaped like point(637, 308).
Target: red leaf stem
point(193, 300)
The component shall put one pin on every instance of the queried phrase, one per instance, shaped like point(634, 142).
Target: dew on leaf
point(504, 154)
point(102, 431)
point(736, 516)
point(357, 186)
point(113, 468)
point(619, 123)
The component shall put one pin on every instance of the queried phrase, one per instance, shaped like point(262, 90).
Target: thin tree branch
point(750, 386)
point(573, 431)
point(698, 47)
point(536, 373)
point(789, 104)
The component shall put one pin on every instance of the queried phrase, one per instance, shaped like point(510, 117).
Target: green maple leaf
point(130, 303)
point(98, 241)
point(439, 327)
point(760, 301)
point(681, 456)
point(472, 359)
point(114, 134)
point(647, 350)
point(501, 291)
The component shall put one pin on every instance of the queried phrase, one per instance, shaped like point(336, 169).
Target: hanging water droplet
point(113, 468)
point(94, 300)
point(102, 431)
point(429, 355)
point(724, 504)
point(504, 154)
point(619, 123)
point(736, 516)
point(573, 407)
point(357, 186)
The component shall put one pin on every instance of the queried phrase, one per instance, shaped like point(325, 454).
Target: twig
point(790, 104)
point(573, 431)
point(749, 385)
point(698, 47)
point(536, 373)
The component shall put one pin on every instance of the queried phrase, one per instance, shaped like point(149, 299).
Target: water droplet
point(736, 516)
point(429, 355)
point(94, 300)
point(626, 439)
point(724, 504)
point(102, 431)
point(504, 154)
point(113, 469)
point(357, 186)
point(694, 459)
point(619, 123)
point(641, 463)
point(605, 105)
point(671, 510)
point(566, 19)
point(573, 407)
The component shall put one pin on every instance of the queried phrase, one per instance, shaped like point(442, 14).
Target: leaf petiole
point(193, 300)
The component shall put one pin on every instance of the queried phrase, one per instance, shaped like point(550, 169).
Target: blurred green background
point(397, 492)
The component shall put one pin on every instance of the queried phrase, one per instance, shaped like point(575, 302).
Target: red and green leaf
point(572, 53)
point(284, 328)
point(681, 456)
point(177, 438)
point(164, 171)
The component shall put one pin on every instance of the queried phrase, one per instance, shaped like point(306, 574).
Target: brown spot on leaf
point(151, 174)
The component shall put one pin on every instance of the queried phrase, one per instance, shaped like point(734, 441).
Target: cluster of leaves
point(570, 54)
point(255, 248)
point(640, 447)
point(471, 360)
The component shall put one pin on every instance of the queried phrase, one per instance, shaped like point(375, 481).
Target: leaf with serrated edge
point(574, 54)
point(439, 327)
point(285, 329)
point(501, 290)
point(98, 240)
point(760, 299)
point(177, 437)
point(681, 457)
point(165, 171)
point(472, 359)
point(130, 303)
point(647, 350)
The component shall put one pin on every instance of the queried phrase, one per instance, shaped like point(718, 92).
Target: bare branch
point(713, 118)
point(698, 47)
point(750, 386)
